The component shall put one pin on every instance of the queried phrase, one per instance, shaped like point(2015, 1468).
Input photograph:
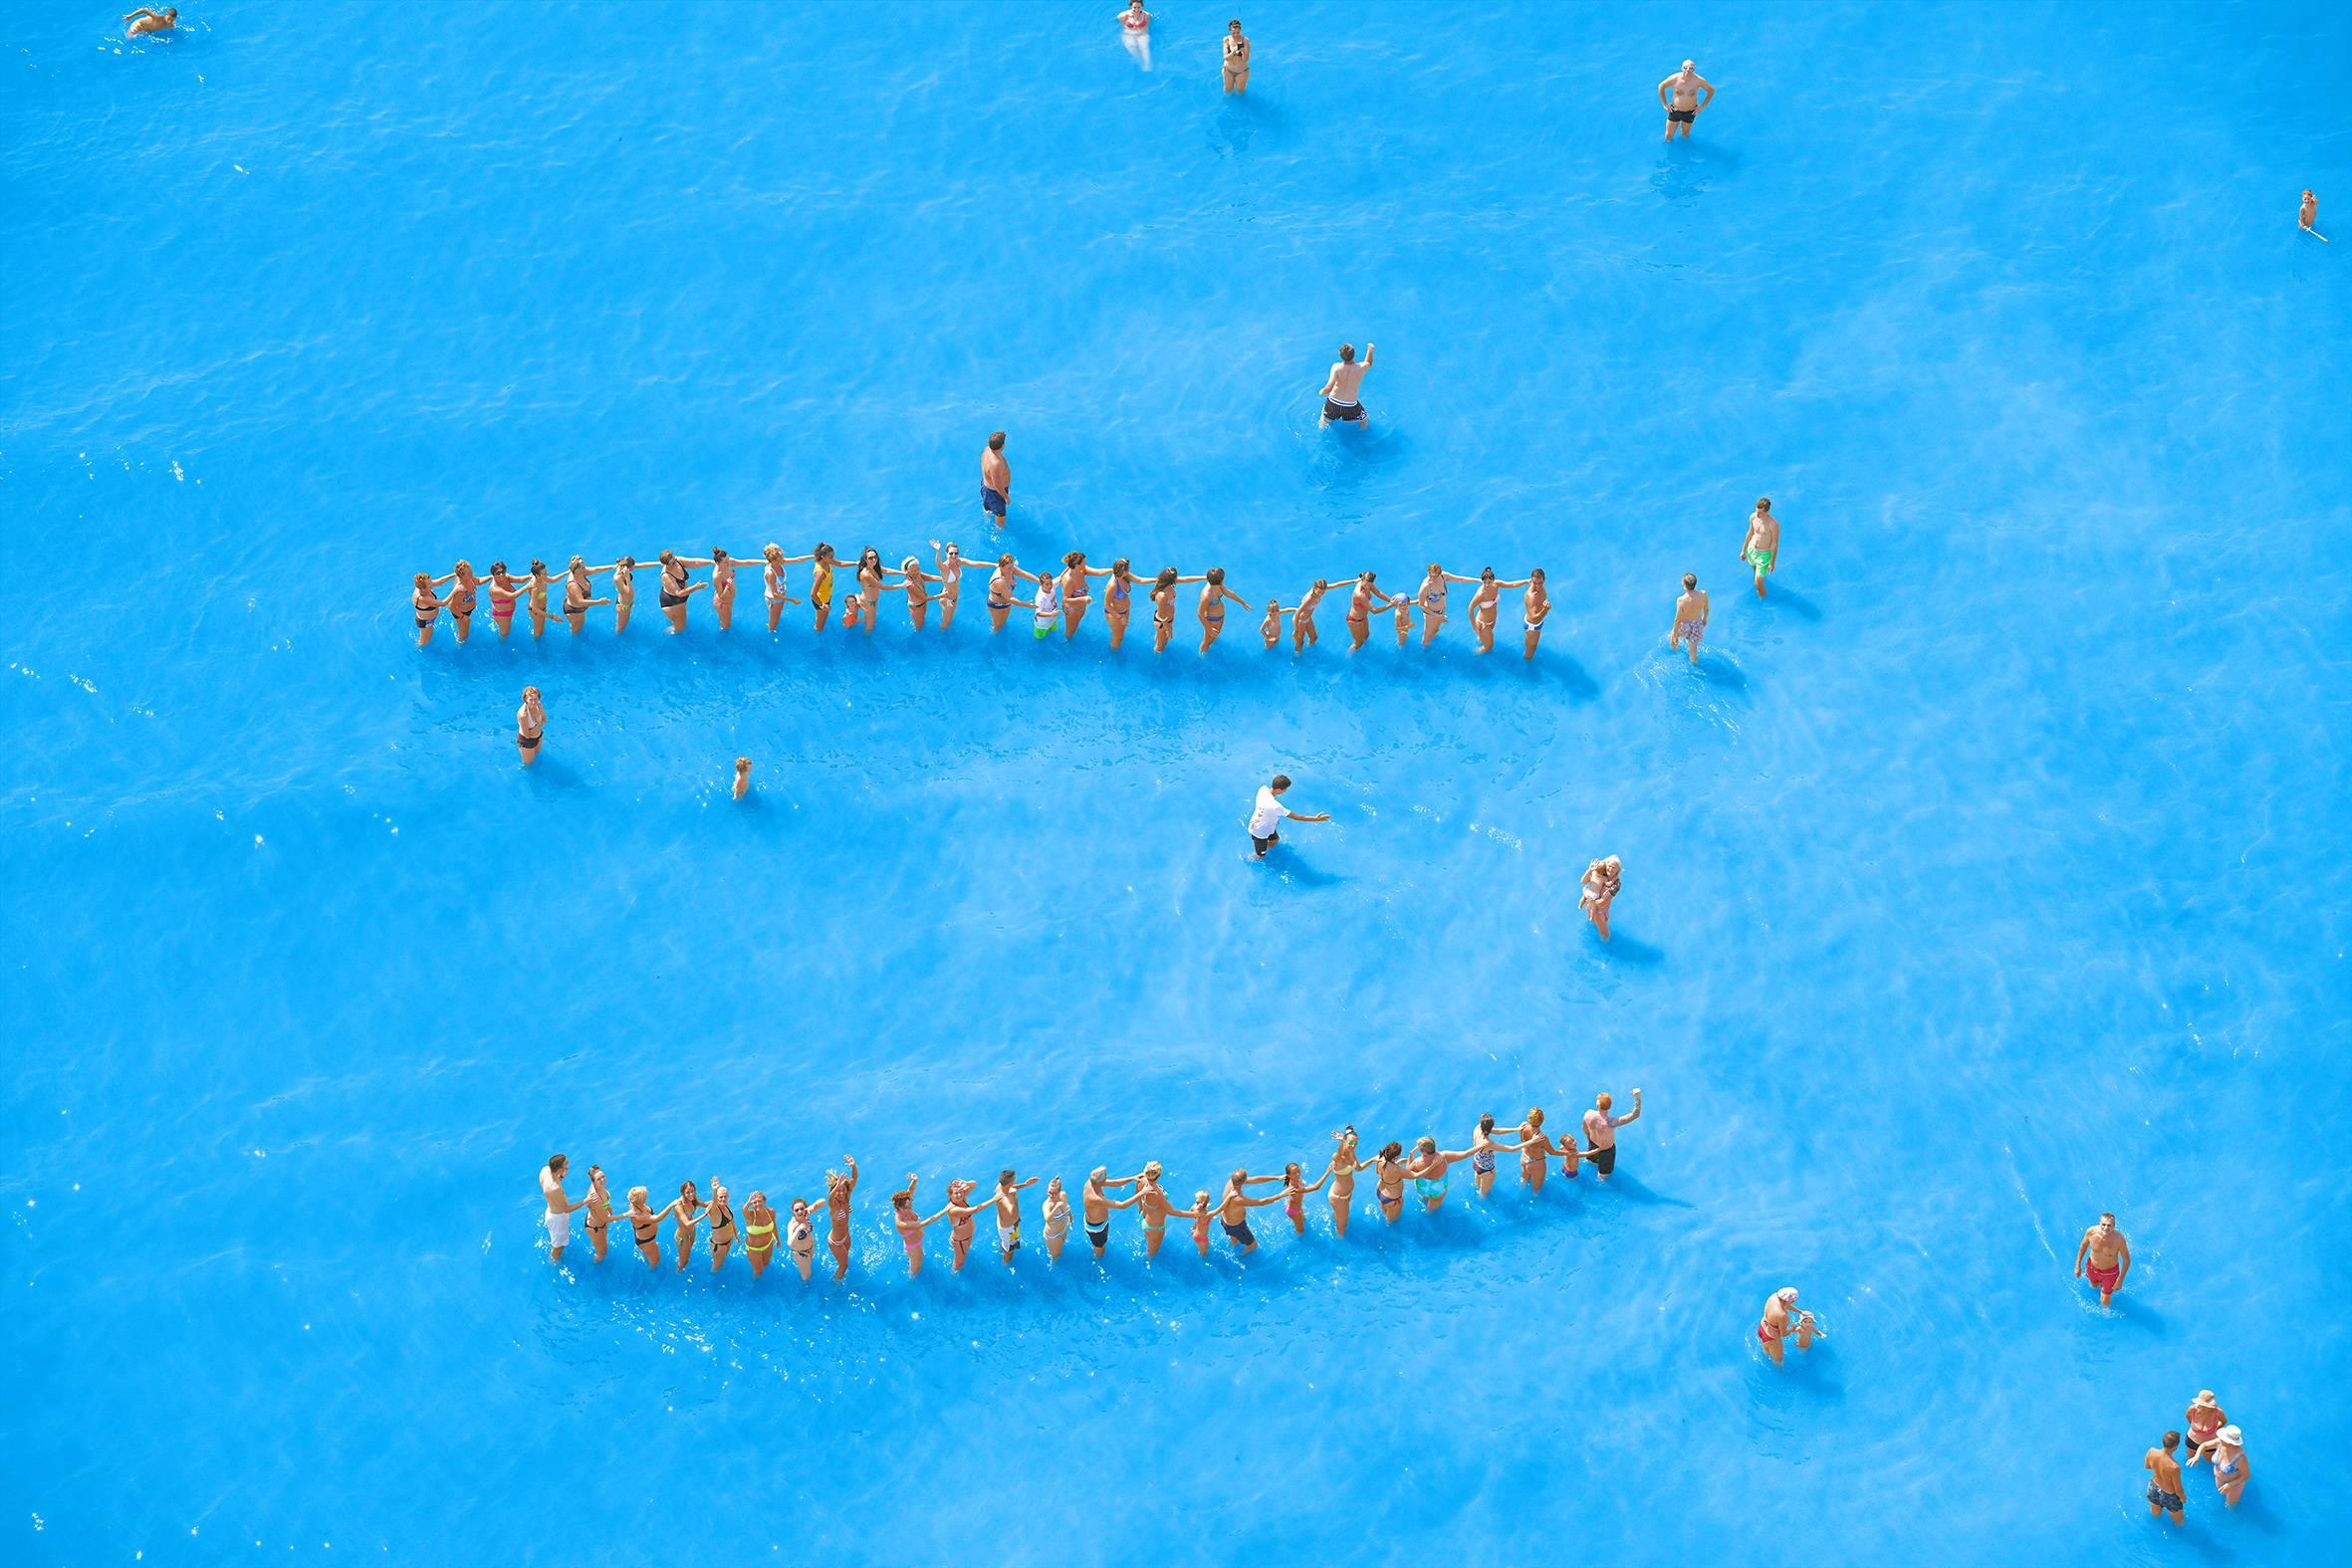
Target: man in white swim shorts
point(558, 1206)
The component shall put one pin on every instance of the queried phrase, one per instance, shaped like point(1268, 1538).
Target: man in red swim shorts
point(2109, 1258)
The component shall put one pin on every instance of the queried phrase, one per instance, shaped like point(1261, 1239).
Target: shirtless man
point(1775, 1327)
point(1690, 617)
point(1761, 548)
point(530, 725)
point(1600, 1133)
point(1343, 393)
point(558, 1206)
point(996, 479)
point(1237, 58)
point(143, 20)
point(1008, 1202)
point(1233, 1210)
point(1135, 32)
point(1684, 104)
point(1537, 610)
point(2164, 1481)
point(2110, 1257)
point(1095, 1197)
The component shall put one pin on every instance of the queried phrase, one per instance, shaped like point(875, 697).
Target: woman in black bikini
point(722, 1225)
point(461, 597)
point(676, 590)
point(599, 1210)
point(576, 588)
point(648, 1226)
point(1163, 607)
point(530, 725)
point(1213, 597)
point(871, 572)
point(427, 606)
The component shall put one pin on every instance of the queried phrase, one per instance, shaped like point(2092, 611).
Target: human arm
point(1330, 382)
point(1632, 1115)
point(1122, 1202)
point(1369, 350)
point(1710, 86)
point(1299, 817)
point(2123, 1260)
point(1320, 1182)
point(1662, 86)
point(2080, 1247)
point(1235, 597)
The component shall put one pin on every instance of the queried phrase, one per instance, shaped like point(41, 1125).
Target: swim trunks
point(2106, 1279)
point(1690, 631)
point(1265, 844)
point(1603, 1160)
point(2169, 1501)
point(1100, 1239)
point(1681, 116)
point(1008, 1237)
point(1239, 1233)
point(559, 1228)
point(993, 500)
point(1761, 560)
point(1343, 411)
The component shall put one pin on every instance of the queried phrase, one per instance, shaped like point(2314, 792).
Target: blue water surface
point(1989, 874)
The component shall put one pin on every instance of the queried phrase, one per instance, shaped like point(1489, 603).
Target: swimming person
point(1272, 627)
point(1602, 879)
point(1345, 1167)
point(686, 1211)
point(461, 597)
point(1343, 390)
point(1483, 1145)
point(1303, 629)
point(1214, 594)
point(1008, 1202)
point(1483, 608)
point(577, 594)
point(648, 1227)
point(720, 1218)
point(1690, 617)
point(1683, 103)
point(1388, 1181)
point(773, 585)
point(1046, 608)
point(2232, 1468)
point(1118, 599)
point(1001, 585)
point(1537, 610)
point(1237, 58)
point(1432, 600)
point(1096, 1203)
point(143, 20)
point(1775, 1327)
point(1534, 1145)
point(1294, 1191)
point(837, 1191)
point(996, 479)
point(1163, 607)
point(918, 597)
point(1600, 1133)
point(558, 1206)
point(2109, 1256)
point(1057, 1218)
point(505, 594)
point(1431, 1169)
point(1761, 548)
point(951, 566)
point(1234, 1205)
point(800, 1238)
point(599, 1210)
point(624, 591)
point(535, 588)
point(2164, 1481)
point(759, 1232)
point(427, 606)
point(2205, 1417)
point(530, 725)
point(676, 590)
point(1268, 814)
point(1135, 33)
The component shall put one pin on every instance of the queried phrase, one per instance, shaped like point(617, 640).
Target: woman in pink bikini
point(505, 593)
point(1295, 1193)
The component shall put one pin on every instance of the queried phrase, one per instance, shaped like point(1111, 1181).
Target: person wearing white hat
point(2164, 1480)
point(2232, 1468)
point(1683, 103)
point(2109, 1258)
point(1775, 1327)
point(2205, 1417)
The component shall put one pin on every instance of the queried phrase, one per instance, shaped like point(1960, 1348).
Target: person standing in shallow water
point(2164, 1481)
point(1761, 548)
point(1268, 814)
point(2308, 214)
point(530, 725)
point(558, 1206)
point(2108, 1257)
point(996, 479)
point(1690, 617)
point(1237, 58)
point(1135, 33)
point(1775, 1327)
point(1601, 881)
point(1679, 95)
point(1600, 1133)
point(1343, 390)
point(1537, 610)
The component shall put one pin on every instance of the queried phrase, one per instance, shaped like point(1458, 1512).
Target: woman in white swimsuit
point(951, 565)
point(1057, 1218)
point(773, 585)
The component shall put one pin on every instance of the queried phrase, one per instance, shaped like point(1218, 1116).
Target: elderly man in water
point(1679, 94)
point(1600, 1133)
point(1343, 388)
point(2108, 1256)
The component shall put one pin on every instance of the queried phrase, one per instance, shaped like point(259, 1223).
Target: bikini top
point(683, 575)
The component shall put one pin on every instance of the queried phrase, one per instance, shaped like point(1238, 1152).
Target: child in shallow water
point(1272, 630)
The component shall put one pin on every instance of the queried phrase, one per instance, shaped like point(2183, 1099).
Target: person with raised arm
point(1679, 95)
point(1603, 880)
point(1344, 1169)
point(1293, 1194)
point(837, 1192)
point(918, 595)
point(1007, 1205)
point(1214, 594)
point(558, 1206)
point(686, 1212)
point(535, 591)
point(1776, 1325)
point(427, 606)
point(2108, 1256)
point(1484, 608)
point(1096, 1203)
point(910, 1225)
point(1234, 1205)
point(1237, 58)
point(800, 1238)
point(1432, 597)
point(951, 566)
point(530, 725)
point(1343, 390)
point(1388, 1181)
point(1004, 584)
point(579, 593)
point(625, 571)
point(1272, 627)
point(1431, 1169)
point(646, 1224)
point(960, 1210)
point(505, 594)
point(1537, 610)
point(1534, 1145)
point(676, 588)
point(1761, 549)
point(1046, 609)
point(1119, 600)
point(1057, 1218)
point(1076, 596)
point(143, 20)
point(759, 1232)
point(461, 597)
point(720, 1222)
point(1483, 1145)
point(1690, 617)
point(1600, 1133)
point(600, 1212)
point(1163, 607)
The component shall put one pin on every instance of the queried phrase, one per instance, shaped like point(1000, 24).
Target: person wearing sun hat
point(2205, 1417)
point(2232, 1468)
point(1775, 1327)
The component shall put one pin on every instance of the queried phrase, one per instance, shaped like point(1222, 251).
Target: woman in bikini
point(871, 572)
point(722, 587)
point(1075, 597)
point(951, 566)
point(535, 589)
point(837, 1188)
point(910, 1225)
point(2232, 1470)
point(773, 584)
point(530, 725)
point(1118, 597)
point(1482, 606)
point(505, 593)
point(1295, 1193)
point(1534, 1145)
point(461, 597)
point(800, 1238)
point(686, 1211)
point(1342, 1174)
point(648, 1227)
point(1303, 629)
point(676, 590)
point(960, 1210)
point(1431, 1169)
point(1151, 1199)
point(1057, 1218)
point(1214, 594)
point(576, 592)
point(1601, 881)
point(1432, 598)
point(1003, 585)
point(1360, 612)
point(721, 1217)
point(1163, 607)
point(1388, 1178)
point(624, 590)
point(759, 1232)
point(1198, 1214)
point(1483, 1145)
point(427, 606)
point(918, 597)
point(599, 1210)
point(1539, 610)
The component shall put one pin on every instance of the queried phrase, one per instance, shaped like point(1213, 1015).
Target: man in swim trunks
point(1775, 1327)
point(1233, 1210)
point(1342, 391)
point(1600, 1134)
point(1008, 1201)
point(1761, 549)
point(558, 1206)
point(1095, 1197)
point(2110, 1257)
point(1237, 58)
point(1690, 617)
point(143, 20)
point(1684, 104)
point(996, 479)
point(1270, 813)
point(2164, 1481)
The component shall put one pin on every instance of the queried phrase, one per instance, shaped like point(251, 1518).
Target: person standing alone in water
point(1680, 95)
point(1269, 814)
point(1237, 58)
point(1135, 32)
point(2108, 1257)
point(1761, 549)
point(530, 725)
point(996, 479)
point(1690, 617)
point(1342, 391)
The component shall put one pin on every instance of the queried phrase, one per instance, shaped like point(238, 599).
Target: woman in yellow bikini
point(1344, 1169)
point(951, 568)
point(759, 1232)
point(535, 594)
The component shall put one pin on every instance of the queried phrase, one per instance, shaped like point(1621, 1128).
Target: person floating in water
point(1602, 879)
point(1343, 388)
point(2164, 1481)
point(2232, 1468)
point(1775, 1327)
point(1269, 814)
point(558, 1206)
point(2108, 1256)
point(996, 479)
point(1679, 94)
point(1237, 58)
point(743, 777)
point(143, 20)
point(1761, 548)
point(1600, 1133)
point(1135, 33)
point(530, 725)
point(1690, 617)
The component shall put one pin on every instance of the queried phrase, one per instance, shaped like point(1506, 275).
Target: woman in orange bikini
point(505, 593)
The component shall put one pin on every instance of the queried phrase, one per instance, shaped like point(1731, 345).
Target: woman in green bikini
point(1344, 1169)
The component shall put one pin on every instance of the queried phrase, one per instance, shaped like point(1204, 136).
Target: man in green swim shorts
point(1761, 549)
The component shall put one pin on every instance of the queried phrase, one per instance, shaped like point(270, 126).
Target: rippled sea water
point(1987, 875)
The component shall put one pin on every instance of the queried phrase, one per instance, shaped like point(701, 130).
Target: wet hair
point(901, 1198)
point(1152, 1169)
point(1486, 1124)
point(538, 566)
point(996, 441)
point(1369, 578)
point(717, 553)
point(1764, 503)
point(2171, 1441)
point(1347, 353)
point(742, 763)
point(1281, 780)
point(1073, 558)
point(498, 567)
point(772, 551)
point(1393, 1149)
point(1535, 1114)
point(1217, 577)
point(1690, 580)
point(686, 1190)
point(1166, 577)
point(1291, 1170)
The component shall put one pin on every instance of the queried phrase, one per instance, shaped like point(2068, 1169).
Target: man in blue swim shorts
point(996, 479)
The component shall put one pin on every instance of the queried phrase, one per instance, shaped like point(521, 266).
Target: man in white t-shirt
point(1270, 814)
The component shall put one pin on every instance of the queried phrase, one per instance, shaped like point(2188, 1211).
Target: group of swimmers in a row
point(755, 1230)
